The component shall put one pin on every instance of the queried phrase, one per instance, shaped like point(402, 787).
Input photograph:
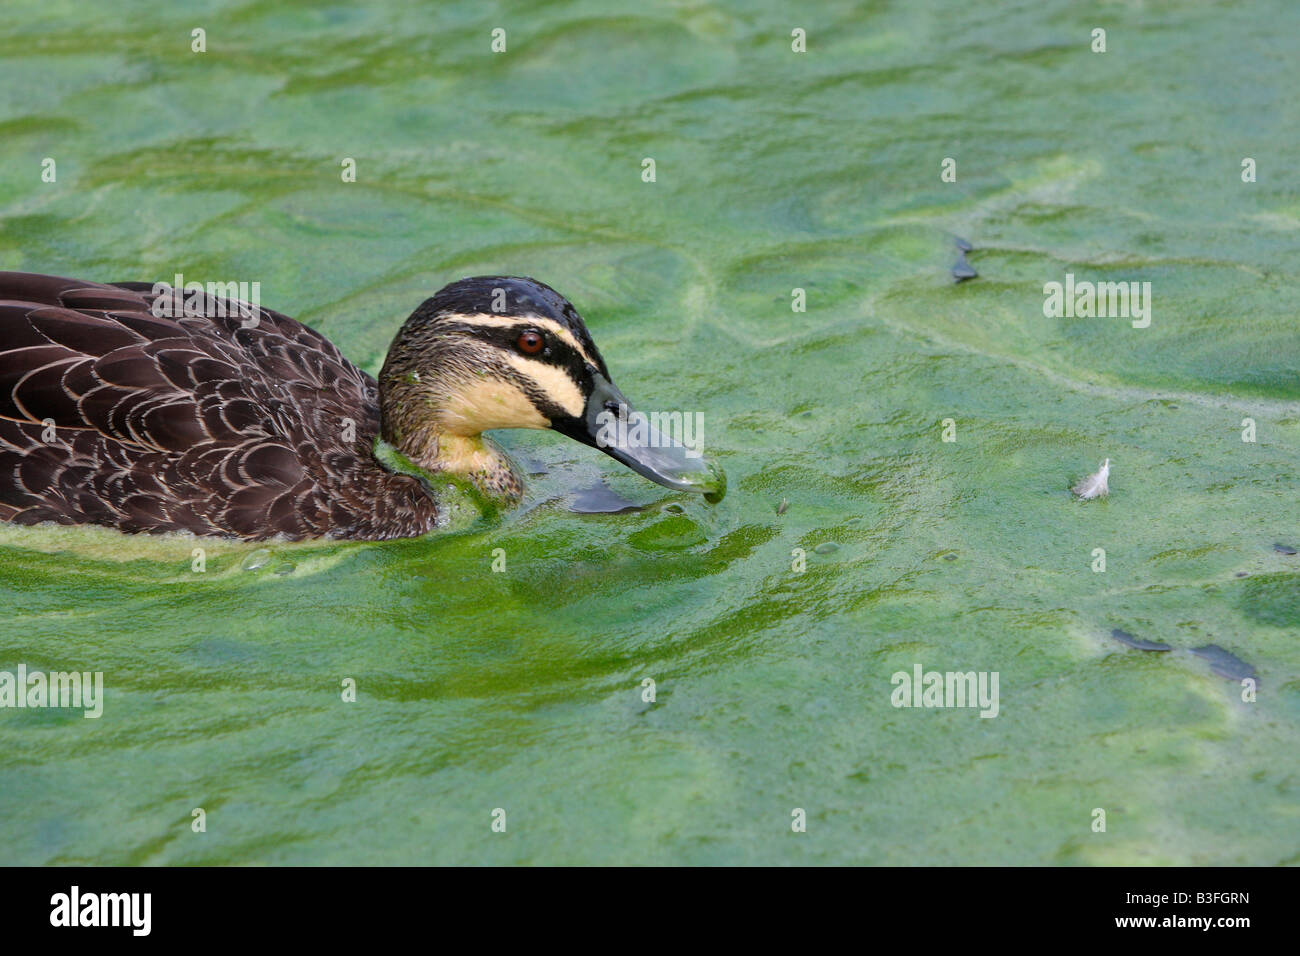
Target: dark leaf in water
point(599, 499)
point(1124, 637)
point(1224, 663)
point(1284, 548)
point(534, 467)
point(962, 270)
point(962, 244)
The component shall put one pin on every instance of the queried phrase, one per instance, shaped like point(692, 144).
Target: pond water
point(522, 689)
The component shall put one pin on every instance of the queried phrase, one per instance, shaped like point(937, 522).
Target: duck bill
point(611, 424)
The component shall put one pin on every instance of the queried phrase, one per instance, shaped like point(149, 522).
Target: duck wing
point(132, 406)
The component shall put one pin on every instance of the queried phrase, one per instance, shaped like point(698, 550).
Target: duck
point(151, 408)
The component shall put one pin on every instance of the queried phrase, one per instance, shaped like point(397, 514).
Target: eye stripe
point(487, 320)
point(556, 352)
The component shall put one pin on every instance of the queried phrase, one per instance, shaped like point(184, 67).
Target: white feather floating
point(1095, 486)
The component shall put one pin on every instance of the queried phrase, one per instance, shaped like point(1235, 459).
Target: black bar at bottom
point(215, 905)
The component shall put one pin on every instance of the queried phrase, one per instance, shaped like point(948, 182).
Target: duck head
point(493, 352)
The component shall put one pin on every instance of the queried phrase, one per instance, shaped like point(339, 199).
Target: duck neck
point(413, 426)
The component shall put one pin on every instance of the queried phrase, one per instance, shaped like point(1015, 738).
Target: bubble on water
point(258, 559)
point(288, 567)
point(827, 547)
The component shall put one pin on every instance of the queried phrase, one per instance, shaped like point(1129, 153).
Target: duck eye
point(530, 342)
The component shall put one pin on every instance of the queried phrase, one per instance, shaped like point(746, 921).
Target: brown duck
point(147, 408)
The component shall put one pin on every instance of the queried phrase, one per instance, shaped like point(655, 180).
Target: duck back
point(146, 409)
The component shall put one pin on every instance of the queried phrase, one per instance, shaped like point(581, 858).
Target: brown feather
point(186, 424)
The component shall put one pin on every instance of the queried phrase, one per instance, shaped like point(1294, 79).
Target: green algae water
point(522, 689)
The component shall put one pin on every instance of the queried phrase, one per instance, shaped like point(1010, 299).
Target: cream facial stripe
point(482, 405)
point(554, 383)
point(529, 322)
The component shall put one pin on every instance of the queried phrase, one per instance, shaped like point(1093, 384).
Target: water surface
point(522, 690)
